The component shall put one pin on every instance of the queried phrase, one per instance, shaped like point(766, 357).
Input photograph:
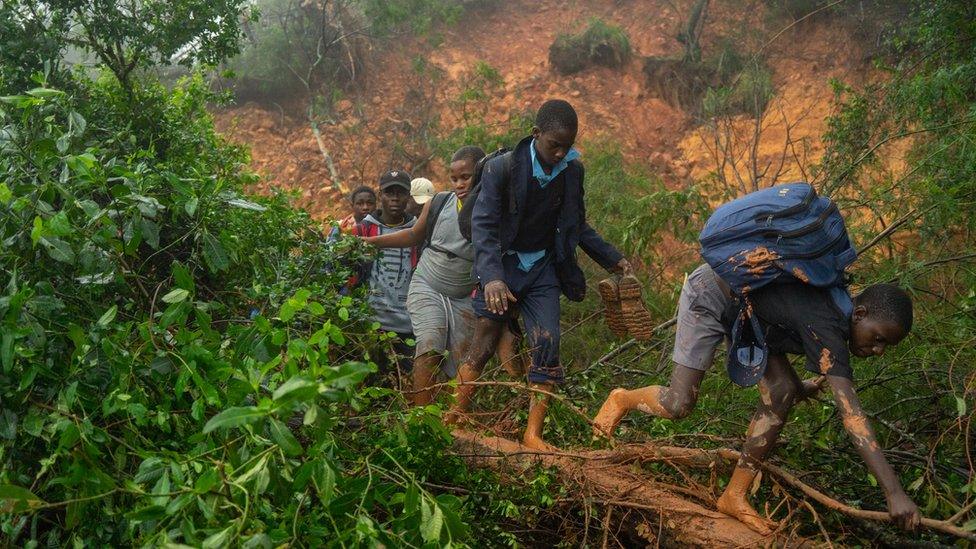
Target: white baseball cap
point(422, 190)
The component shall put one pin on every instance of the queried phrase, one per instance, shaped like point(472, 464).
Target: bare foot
point(609, 416)
point(536, 443)
point(739, 508)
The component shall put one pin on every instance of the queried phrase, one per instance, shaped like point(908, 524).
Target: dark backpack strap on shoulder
point(433, 214)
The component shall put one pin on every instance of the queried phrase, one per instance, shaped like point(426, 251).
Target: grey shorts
point(704, 312)
point(440, 323)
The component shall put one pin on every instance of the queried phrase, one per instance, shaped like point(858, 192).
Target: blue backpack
point(785, 230)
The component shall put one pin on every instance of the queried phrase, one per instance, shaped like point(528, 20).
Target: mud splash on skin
point(857, 426)
point(825, 361)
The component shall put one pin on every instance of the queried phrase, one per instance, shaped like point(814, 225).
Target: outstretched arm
point(903, 511)
point(602, 252)
point(414, 236)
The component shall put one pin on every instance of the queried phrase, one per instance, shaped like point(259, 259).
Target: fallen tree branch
point(706, 458)
point(626, 345)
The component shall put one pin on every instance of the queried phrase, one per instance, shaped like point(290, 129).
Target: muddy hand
point(498, 296)
point(904, 513)
point(624, 267)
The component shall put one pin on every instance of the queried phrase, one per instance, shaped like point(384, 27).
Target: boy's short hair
point(555, 115)
point(361, 189)
point(469, 152)
point(887, 302)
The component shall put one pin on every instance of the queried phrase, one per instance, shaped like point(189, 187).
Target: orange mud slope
point(514, 38)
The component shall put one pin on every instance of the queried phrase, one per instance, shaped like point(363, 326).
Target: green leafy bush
point(749, 93)
point(600, 44)
point(177, 362)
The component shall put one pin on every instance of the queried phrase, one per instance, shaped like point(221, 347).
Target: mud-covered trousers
point(537, 292)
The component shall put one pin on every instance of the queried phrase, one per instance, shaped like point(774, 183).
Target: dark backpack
point(785, 230)
point(464, 216)
point(433, 214)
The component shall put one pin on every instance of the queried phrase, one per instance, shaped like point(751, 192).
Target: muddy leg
point(425, 369)
point(509, 353)
point(538, 406)
point(486, 334)
point(672, 402)
point(778, 391)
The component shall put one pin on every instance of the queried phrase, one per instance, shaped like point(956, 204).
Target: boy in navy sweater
point(527, 222)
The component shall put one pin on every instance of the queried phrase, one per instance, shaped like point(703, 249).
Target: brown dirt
point(612, 103)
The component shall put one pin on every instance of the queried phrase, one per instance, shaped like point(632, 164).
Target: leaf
point(15, 498)
point(8, 425)
point(246, 204)
point(59, 225)
point(175, 296)
point(298, 387)
point(323, 477)
point(190, 206)
point(431, 529)
point(152, 512)
point(218, 540)
point(77, 122)
point(182, 277)
point(284, 438)
point(59, 250)
point(5, 194)
point(970, 526)
point(108, 316)
point(234, 417)
point(37, 230)
point(214, 253)
point(960, 406)
point(7, 351)
point(45, 93)
point(253, 471)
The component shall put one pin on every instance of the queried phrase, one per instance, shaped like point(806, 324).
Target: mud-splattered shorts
point(705, 311)
point(440, 323)
point(537, 292)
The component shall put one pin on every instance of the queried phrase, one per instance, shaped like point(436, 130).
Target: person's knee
point(778, 394)
point(679, 403)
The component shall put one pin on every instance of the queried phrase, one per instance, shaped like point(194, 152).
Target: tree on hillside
point(124, 36)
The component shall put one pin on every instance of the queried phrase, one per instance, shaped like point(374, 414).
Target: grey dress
point(439, 298)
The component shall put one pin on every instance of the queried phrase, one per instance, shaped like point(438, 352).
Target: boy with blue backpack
point(774, 285)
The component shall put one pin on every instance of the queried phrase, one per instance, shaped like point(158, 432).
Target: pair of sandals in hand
point(624, 307)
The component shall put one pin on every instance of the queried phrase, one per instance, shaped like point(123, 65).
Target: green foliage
point(123, 38)
point(633, 208)
point(473, 107)
point(177, 361)
point(388, 17)
point(749, 93)
point(601, 43)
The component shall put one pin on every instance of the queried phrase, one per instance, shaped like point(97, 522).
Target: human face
point(871, 336)
point(362, 204)
point(553, 146)
point(462, 177)
point(393, 201)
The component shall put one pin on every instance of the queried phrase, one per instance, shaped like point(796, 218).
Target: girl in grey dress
point(439, 297)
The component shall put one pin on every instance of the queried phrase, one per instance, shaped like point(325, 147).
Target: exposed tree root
point(606, 475)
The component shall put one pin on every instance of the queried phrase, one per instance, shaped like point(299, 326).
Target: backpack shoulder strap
point(433, 214)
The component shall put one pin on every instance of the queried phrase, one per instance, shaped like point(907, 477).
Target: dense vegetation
point(179, 362)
